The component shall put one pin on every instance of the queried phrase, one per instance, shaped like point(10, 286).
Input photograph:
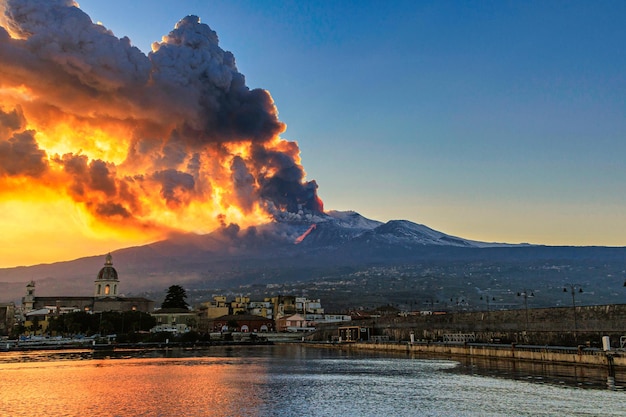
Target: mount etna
point(349, 262)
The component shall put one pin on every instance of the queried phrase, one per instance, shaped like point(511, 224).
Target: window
point(107, 289)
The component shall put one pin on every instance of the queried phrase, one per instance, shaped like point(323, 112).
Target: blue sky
point(495, 121)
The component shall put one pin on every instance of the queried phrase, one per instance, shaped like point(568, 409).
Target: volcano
point(340, 245)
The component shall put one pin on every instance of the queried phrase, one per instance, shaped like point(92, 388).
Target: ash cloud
point(286, 187)
point(20, 155)
point(189, 61)
point(11, 120)
point(176, 186)
point(243, 183)
point(89, 176)
point(112, 210)
point(182, 116)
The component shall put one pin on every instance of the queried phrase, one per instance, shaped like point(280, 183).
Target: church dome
point(108, 273)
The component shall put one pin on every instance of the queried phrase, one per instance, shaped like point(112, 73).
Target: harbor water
point(285, 380)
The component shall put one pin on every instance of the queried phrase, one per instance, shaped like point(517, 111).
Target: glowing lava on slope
point(101, 140)
point(303, 236)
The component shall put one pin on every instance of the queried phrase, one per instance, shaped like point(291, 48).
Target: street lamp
point(526, 294)
point(458, 301)
point(573, 288)
point(487, 299)
point(431, 301)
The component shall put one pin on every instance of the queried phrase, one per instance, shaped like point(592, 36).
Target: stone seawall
point(611, 363)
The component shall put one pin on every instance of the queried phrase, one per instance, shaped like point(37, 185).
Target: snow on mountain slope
point(336, 228)
point(353, 219)
point(406, 232)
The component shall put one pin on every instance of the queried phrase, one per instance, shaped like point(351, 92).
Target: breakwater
point(611, 363)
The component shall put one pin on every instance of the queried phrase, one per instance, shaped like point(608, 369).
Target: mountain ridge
point(289, 251)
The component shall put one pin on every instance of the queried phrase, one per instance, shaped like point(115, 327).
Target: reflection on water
point(284, 381)
point(134, 386)
point(552, 373)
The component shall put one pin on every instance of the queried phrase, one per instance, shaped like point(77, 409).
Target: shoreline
point(614, 362)
point(132, 346)
point(238, 339)
point(572, 365)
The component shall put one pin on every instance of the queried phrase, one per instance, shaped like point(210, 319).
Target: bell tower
point(28, 301)
point(106, 284)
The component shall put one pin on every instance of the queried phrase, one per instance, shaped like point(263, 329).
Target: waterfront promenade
point(568, 359)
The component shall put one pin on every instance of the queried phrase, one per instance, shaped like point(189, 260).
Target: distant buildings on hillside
point(288, 313)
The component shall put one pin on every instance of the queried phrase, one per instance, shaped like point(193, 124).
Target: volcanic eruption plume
point(169, 141)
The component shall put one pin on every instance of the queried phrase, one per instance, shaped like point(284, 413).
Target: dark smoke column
point(165, 142)
point(189, 58)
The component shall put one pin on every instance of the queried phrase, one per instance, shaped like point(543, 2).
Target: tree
point(175, 298)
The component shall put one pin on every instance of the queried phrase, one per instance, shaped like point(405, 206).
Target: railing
point(540, 348)
point(508, 347)
point(378, 339)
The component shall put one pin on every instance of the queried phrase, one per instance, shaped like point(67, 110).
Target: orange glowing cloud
point(138, 145)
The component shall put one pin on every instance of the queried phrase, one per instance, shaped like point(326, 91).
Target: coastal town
point(107, 313)
point(38, 316)
point(591, 336)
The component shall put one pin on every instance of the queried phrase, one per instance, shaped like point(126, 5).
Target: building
point(283, 305)
point(7, 318)
point(36, 321)
point(317, 319)
point(107, 281)
point(105, 297)
point(354, 334)
point(293, 323)
point(261, 308)
point(307, 306)
point(240, 305)
point(216, 308)
point(241, 323)
point(174, 320)
point(290, 313)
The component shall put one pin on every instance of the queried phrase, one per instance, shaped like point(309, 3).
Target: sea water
point(284, 380)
